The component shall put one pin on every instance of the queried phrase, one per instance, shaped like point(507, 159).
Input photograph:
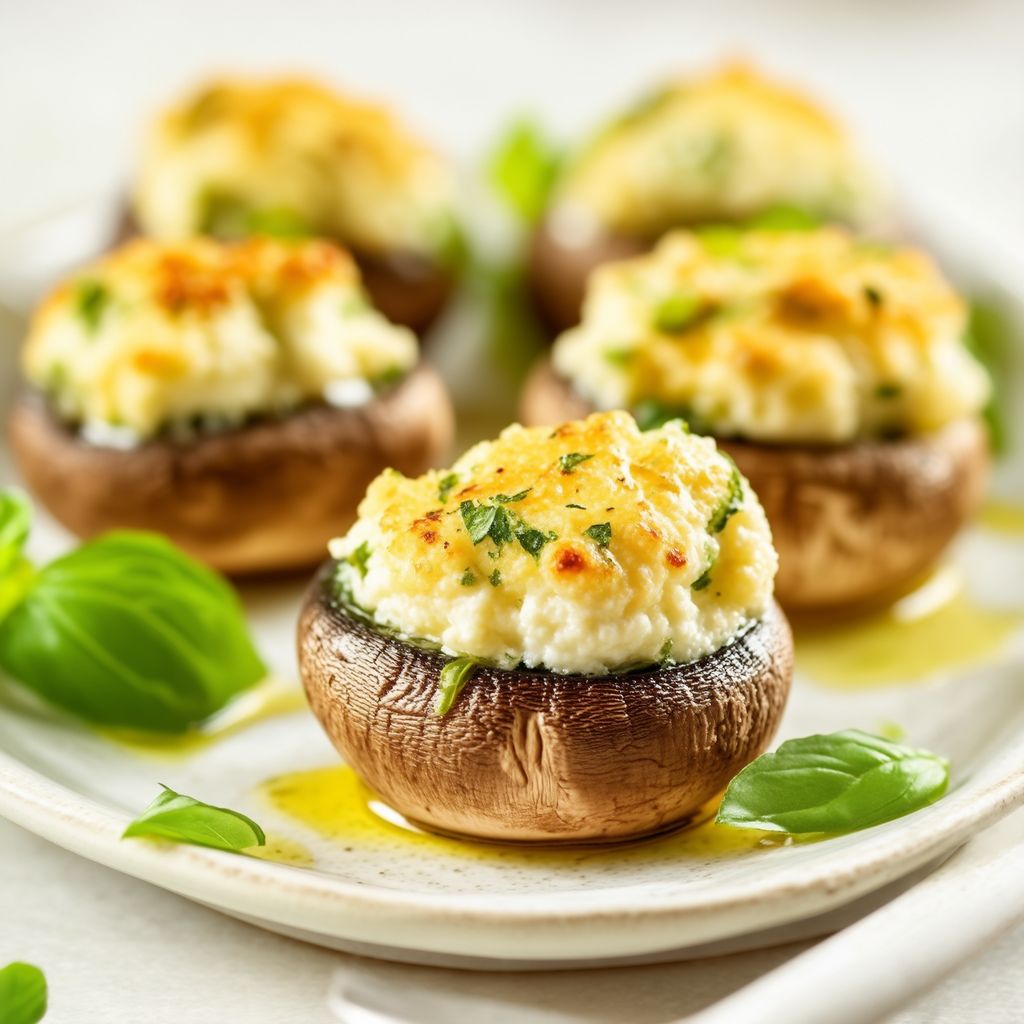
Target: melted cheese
point(722, 148)
point(157, 335)
point(600, 557)
point(801, 336)
point(240, 155)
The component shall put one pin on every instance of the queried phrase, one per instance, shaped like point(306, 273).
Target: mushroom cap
point(265, 497)
point(855, 525)
point(530, 755)
point(557, 271)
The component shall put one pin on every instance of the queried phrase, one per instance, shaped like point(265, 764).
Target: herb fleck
point(873, 295)
point(730, 504)
point(453, 679)
point(703, 580)
point(888, 391)
point(468, 578)
point(444, 488)
point(359, 558)
point(478, 519)
point(677, 312)
point(618, 356)
point(91, 301)
point(495, 578)
point(505, 499)
point(573, 504)
point(600, 533)
point(569, 462)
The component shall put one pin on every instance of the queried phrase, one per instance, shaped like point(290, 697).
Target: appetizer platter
point(724, 637)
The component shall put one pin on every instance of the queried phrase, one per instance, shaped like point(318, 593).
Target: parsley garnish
point(453, 679)
point(873, 295)
point(651, 414)
point(478, 519)
point(677, 312)
point(888, 391)
point(468, 578)
point(502, 525)
point(359, 558)
point(665, 654)
point(703, 580)
point(730, 504)
point(505, 499)
point(600, 533)
point(569, 462)
point(573, 504)
point(91, 301)
point(444, 488)
point(495, 578)
point(617, 356)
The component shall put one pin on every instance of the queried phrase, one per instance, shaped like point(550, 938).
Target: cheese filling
point(776, 336)
point(203, 334)
point(290, 157)
point(589, 549)
point(723, 148)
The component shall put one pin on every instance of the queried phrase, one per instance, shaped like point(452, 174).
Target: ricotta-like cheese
point(204, 333)
point(590, 548)
point(786, 336)
point(241, 157)
point(721, 148)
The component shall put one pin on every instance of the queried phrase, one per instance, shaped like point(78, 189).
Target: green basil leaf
point(22, 994)
point(15, 524)
point(183, 819)
point(454, 677)
point(532, 541)
point(508, 499)
point(523, 169)
point(128, 631)
point(834, 783)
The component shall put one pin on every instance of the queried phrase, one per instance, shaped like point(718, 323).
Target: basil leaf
point(15, 523)
point(532, 541)
point(523, 170)
point(22, 994)
point(128, 631)
point(477, 519)
point(569, 462)
point(839, 782)
point(501, 527)
point(600, 533)
point(183, 819)
point(454, 677)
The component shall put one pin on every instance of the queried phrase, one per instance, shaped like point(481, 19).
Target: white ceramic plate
point(431, 902)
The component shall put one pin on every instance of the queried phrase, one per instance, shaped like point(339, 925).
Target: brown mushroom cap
point(529, 755)
point(408, 288)
point(855, 525)
point(557, 273)
point(265, 497)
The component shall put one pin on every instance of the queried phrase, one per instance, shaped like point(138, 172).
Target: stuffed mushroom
point(725, 148)
point(568, 636)
point(832, 370)
point(290, 157)
point(236, 397)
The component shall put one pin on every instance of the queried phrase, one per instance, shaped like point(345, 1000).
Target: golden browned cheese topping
point(589, 548)
point(724, 147)
point(161, 335)
point(290, 157)
point(788, 336)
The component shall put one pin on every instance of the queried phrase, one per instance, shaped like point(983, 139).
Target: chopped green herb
point(359, 558)
point(532, 541)
point(478, 519)
point(91, 301)
point(665, 654)
point(651, 414)
point(501, 529)
point(703, 580)
point(721, 240)
point(677, 312)
point(355, 304)
point(873, 295)
point(618, 356)
point(888, 391)
point(388, 378)
point(22, 994)
point(600, 533)
point(784, 218)
point(569, 462)
point(468, 578)
point(730, 504)
point(183, 819)
point(453, 679)
point(506, 499)
point(495, 578)
point(444, 488)
point(834, 783)
point(278, 222)
point(573, 504)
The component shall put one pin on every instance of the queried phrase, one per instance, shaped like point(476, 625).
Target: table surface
point(936, 89)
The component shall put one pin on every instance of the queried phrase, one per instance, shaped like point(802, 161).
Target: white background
point(936, 90)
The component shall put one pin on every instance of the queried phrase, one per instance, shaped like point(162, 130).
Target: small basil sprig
point(183, 819)
point(22, 994)
point(454, 676)
point(126, 631)
point(833, 783)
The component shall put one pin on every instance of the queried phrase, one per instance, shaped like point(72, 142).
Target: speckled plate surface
point(946, 666)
